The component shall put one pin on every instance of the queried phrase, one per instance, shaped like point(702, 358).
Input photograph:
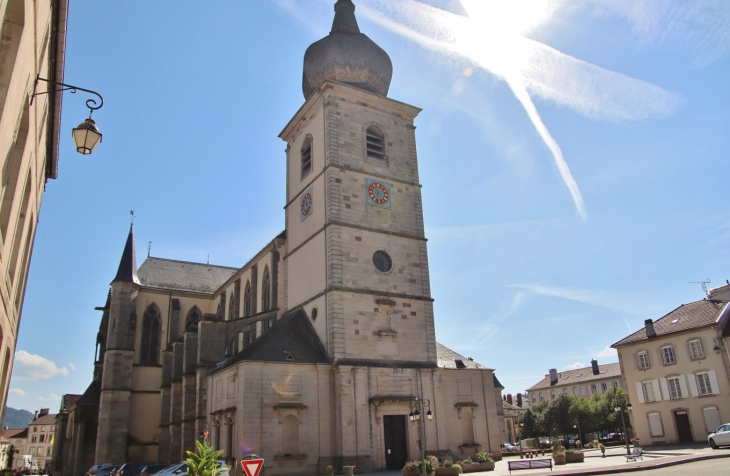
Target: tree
point(10, 453)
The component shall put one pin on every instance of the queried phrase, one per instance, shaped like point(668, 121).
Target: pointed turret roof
point(127, 272)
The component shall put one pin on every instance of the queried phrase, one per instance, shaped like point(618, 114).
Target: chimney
point(650, 332)
point(44, 412)
point(721, 293)
point(35, 416)
point(509, 398)
point(519, 400)
point(504, 398)
point(553, 376)
point(594, 364)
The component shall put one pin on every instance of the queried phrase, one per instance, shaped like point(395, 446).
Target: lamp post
point(576, 424)
point(86, 135)
point(620, 404)
point(203, 430)
point(418, 405)
point(520, 425)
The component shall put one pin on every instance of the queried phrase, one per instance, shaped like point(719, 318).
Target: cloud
point(34, 367)
point(575, 366)
point(612, 300)
point(608, 352)
point(486, 331)
point(18, 392)
point(71, 366)
point(52, 397)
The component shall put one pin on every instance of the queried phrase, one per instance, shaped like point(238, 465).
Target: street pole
point(623, 421)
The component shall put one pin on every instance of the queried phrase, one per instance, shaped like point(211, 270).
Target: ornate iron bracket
point(90, 103)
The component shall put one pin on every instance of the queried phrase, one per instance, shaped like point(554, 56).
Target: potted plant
point(449, 468)
point(469, 466)
point(559, 454)
point(349, 469)
point(486, 463)
point(431, 463)
point(412, 468)
point(573, 456)
point(330, 471)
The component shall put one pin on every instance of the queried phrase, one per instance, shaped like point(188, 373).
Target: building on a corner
point(584, 382)
point(313, 352)
point(677, 371)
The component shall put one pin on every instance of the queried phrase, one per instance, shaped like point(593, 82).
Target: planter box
point(410, 472)
point(470, 468)
point(486, 466)
point(447, 472)
point(559, 460)
point(574, 458)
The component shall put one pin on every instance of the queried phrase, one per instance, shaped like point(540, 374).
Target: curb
point(657, 465)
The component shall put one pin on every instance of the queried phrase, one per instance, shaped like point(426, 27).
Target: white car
point(721, 436)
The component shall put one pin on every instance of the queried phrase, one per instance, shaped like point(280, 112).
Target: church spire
point(345, 21)
point(127, 272)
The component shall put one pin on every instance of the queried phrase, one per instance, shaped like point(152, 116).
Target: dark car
point(103, 469)
point(151, 469)
point(132, 469)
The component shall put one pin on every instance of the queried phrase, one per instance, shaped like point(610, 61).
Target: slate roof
point(687, 316)
point(49, 419)
point(127, 271)
point(583, 375)
point(447, 359)
point(174, 275)
point(92, 395)
point(292, 335)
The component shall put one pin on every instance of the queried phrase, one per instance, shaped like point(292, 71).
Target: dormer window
point(307, 156)
point(375, 142)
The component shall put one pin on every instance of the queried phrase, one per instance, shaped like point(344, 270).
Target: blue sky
point(574, 162)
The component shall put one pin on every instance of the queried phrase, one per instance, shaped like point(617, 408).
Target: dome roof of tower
point(347, 56)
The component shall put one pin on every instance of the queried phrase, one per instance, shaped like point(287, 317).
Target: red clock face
point(378, 193)
point(306, 204)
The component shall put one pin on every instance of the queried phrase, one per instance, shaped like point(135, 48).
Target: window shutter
point(692, 381)
point(713, 382)
point(683, 386)
point(655, 424)
point(640, 392)
point(712, 419)
point(661, 390)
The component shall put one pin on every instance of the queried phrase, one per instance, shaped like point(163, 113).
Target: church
point(320, 350)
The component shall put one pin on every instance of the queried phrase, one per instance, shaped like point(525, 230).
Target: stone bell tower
point(116, 382)
point(357, 260)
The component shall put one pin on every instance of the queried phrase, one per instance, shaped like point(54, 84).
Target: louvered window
point(375, 140)
point(655, 424)
point(306, 156)
point(704, 385)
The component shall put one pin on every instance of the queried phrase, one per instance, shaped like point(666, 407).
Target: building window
point(232, 307)
point(35, 429)
point(594, 389)
point(575, 390)
point(41, 438)
point(290, 435)
point(552, 395)
point(614, 384)
point(43, 428)
point(150, 346)
point(194, 316)
point(375, 140)
point(703, 384)
point(32, 450)
point(53, 428)
point(668, 355)
point(34, 439)
point(583, 390)
point(604, 387)
point(643, 360)
point(647, 388)
point(266, 291)
point(712, 418)
point(307, 156)
point(695, 349)
point(247, 300)
point(675, 390)
point(655, 424)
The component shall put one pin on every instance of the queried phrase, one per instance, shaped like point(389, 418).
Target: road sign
point(252, 467)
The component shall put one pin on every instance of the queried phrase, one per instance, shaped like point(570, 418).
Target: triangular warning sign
point(252, 467)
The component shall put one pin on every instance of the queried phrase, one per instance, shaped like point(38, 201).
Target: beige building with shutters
point(32, 43)
point(677, 371)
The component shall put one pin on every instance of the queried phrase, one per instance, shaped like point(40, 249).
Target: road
point(704, 468)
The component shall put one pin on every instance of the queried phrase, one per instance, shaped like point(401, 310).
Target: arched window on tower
point(266, 291)
point(194, 316)
point(375, 143)
point(232, 314)
point(247, 300)
point(306, 156)
point(150, 348)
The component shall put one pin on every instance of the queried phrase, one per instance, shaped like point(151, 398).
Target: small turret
point(127, 272)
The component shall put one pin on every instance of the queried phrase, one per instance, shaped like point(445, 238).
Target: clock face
point(306, 204)
point(378, 193)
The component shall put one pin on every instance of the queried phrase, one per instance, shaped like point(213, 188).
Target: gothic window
point(266, 291)
point(150, 347)
point(194, 316)
point(232, 307)
point(306, 156)
point(222, 306)
point(247, 300)
point(375, 143)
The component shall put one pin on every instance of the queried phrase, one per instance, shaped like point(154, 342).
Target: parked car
point(173, 470)
point(132, 469)
point(720, 437)
point(508, 447)
point(223, 469)
point(571, 441)
point(102, 469)
point(151, 469)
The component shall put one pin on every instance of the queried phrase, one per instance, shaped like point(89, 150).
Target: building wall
point(583, 389)
point(25, 28)
point(686, 369)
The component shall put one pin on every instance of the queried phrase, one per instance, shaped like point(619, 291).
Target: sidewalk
point(614, 462)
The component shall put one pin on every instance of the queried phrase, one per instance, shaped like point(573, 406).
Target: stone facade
point(32, 43)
